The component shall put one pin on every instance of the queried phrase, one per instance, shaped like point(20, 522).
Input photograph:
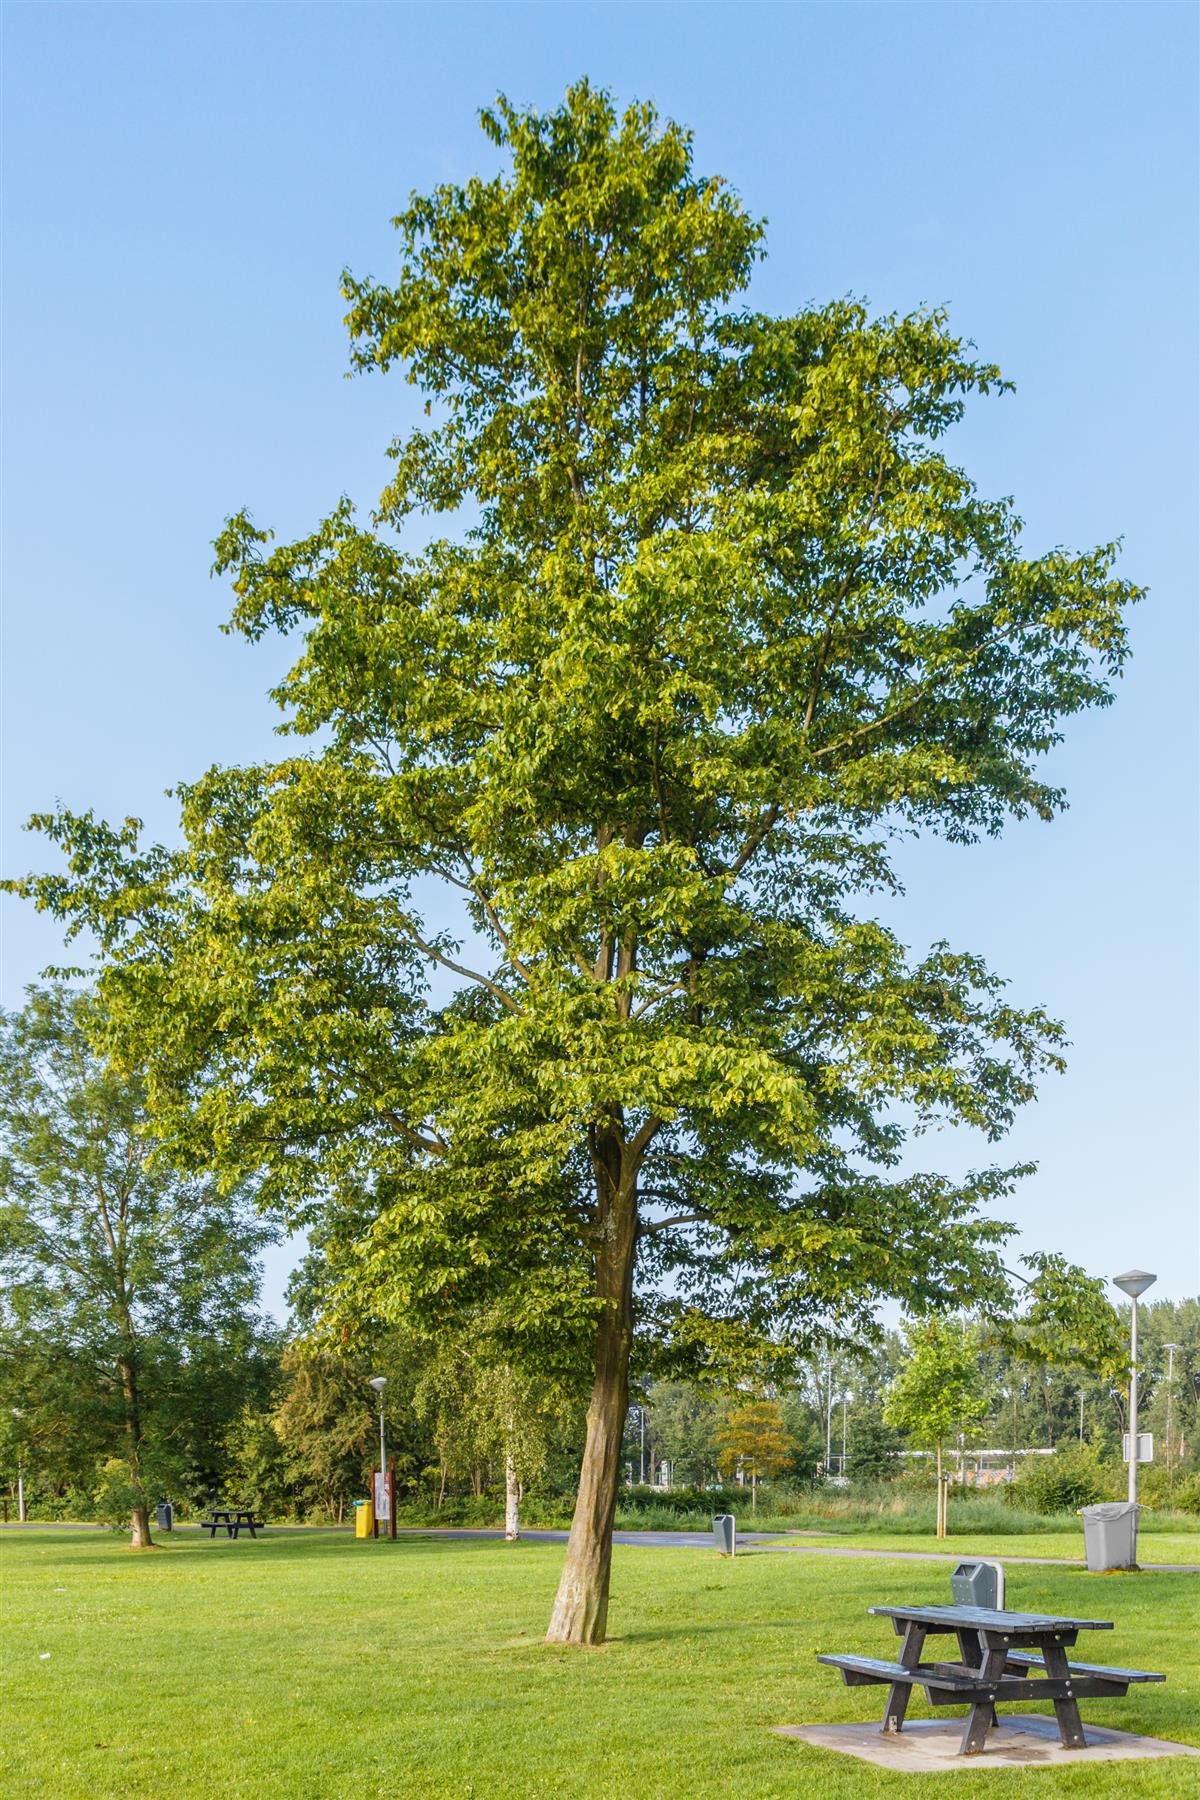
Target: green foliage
point(124, 1486)
point(128, 1320)
point(325, 1424)
point(683, 1422)
point(938, 1395)
point(1067, 1320)
point(1074, 1476)
point(1185, 1494)
point(677, 1502)
point(483, 1414)
point(872, 1446)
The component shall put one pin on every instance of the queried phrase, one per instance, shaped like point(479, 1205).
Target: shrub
point(1182, 1494)
point(1072, 1477)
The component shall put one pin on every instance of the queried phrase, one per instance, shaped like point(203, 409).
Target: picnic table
point(231, 1520)
point(1001, 1656)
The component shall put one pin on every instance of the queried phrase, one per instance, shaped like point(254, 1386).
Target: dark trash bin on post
point(165, 1514)
point(724, 1525)
point(978, 1584)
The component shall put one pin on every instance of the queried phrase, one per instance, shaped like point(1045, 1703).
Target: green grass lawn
point(1153, 1547)
point(304, 1668)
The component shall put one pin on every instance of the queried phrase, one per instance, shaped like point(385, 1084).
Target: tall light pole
point(18, 1413)
point(842, 1470)
point(1170, 1350)
point(1134, 1283)
point(379, 1382)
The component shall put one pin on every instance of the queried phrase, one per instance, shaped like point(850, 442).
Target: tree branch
point(436, 1146)
point(447, 962)
point(668, 1224)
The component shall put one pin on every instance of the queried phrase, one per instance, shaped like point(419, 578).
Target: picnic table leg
point(983, 1713)
point(1070, 1725)
point(910, 1656)
point(972, 1650)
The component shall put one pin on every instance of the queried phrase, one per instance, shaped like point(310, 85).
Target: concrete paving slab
point(1020, 1741)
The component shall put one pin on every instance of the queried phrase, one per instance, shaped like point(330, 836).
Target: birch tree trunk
point(512, 1502)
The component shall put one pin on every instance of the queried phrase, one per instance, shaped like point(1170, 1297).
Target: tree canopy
point(129, 1321)
point(707, 615)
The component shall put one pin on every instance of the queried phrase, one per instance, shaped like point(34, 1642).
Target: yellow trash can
point(364, 1518)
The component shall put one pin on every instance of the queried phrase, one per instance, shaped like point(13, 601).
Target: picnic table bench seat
point(1027, 1660)
point(859, 1671)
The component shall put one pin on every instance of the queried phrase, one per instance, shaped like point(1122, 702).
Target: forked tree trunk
point(581, 1607)
point(512, 1502)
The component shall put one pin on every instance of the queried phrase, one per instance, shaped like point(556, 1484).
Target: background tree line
point(136, 1361)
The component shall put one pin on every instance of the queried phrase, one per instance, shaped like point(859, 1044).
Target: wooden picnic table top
point(982, 1618)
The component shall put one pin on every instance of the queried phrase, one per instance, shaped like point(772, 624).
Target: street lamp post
point(1134, 1283)
point(1170, 1350)
point(379, 1382)
point(18, 1413)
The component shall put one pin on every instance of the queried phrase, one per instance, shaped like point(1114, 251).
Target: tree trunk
point(512, 1502)
point(581, 1606)
point(940, 1529)
point(139, 1537)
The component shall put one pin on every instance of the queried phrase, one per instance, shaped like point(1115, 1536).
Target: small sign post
point(383, 1510)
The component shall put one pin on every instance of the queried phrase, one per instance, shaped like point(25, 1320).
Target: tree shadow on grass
point(261, 1551)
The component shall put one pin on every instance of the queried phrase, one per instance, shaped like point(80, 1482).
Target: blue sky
point(184, 184)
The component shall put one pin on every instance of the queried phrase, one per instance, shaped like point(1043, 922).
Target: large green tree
point(616, 750)
point(129, 1328)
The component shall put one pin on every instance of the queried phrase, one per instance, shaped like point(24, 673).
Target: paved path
point(767, 1542)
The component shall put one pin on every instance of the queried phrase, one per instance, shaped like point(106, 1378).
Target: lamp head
point(379, 1382)
point(1135, 1282)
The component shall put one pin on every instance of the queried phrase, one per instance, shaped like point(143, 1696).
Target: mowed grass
point(304, 1668)
point(1153, 1547)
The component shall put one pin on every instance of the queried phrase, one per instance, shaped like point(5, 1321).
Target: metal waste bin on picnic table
point(979, 1584)
point(724, 1532)
point(1110, 1535)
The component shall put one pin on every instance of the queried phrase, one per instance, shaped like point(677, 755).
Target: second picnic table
point(231, 1520)
point(1002, 1656)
